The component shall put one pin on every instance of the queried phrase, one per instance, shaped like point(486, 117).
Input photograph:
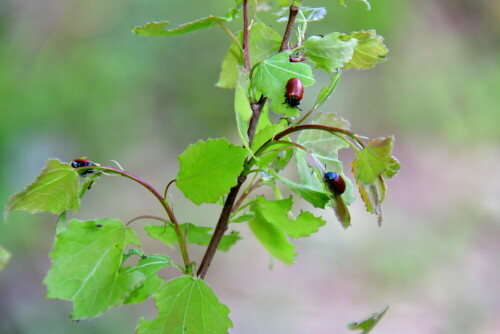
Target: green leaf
point(329, 52)
point(277, 214)
point(369, 195)
point(148, 266)
point(368, 324)
point(373, 160)
point(155, 29)
point(4, 257)
point(305, 14)
point(272, 238)
point(243, 111)
point(263, 43)
point(86, 263)
point(209, 169)
point(368, 6)
point(318, 199)
point(271, 76)
point(369, 51)
point(198, 235)
point(326, 92)
point(243, 218)
point(392, 168)
point(187, 305)
point(325, 147)
point(54, 190)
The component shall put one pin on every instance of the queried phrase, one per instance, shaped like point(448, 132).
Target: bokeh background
point(75, 81)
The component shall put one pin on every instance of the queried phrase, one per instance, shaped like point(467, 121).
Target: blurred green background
point(74, 81)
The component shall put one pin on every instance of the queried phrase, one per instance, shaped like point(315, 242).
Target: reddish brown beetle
point(294, 92)
point(335, 183)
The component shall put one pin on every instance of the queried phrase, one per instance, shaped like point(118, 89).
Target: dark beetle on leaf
point(335, 182)
point(78, 163)
point(294, 92)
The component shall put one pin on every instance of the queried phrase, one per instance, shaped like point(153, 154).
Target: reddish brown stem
point(246, 34)
point(289, 27)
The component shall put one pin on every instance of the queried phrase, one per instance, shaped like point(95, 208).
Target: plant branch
point(246, 34)
point(221, 228)
point(289, 27)
point(160, 198)
point(256, 111)
point(245, 195)
point(229, 32)
point(147, 217)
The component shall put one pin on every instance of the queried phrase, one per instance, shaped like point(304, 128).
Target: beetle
point(335, 182)
point(78, 163)
point(294, 92)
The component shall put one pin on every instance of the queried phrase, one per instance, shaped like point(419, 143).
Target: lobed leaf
point(277, 214)
point(392, 168)
point(54, 190)
point(187, 305)
point(318, 199)
point(263, 43)
point(86, 263)
point(156, 29)
point(148, 266)
point(209, 169)
point(271, 76)
point(369, 51)
point(373, 160)
point(329, 52)
point(368, 324)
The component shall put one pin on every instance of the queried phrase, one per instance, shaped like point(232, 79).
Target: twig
point(289, 27)
point(246, 34)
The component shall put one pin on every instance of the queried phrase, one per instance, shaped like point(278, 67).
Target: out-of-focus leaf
point(373, 160)
point(198, 235)
point(187, 305)
point(263, 43)
point(370, 196)
point(305, 14)
point(54, 190)
point(329, 52)
point(327, 91)
point(243, 218)
point(368, 324)
point(369, 51)
point(272, 74)
point(149, 267)
point(392, 168)
point(156, 29)
point(209, 169)
point(272, 238)
point(86, 263)
point(4, 257)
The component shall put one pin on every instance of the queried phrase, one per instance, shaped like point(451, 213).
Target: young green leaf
point(392, 168)
point(242, 110)
point(368, 324)
point(327, 91)
point(86, 263)
point(369, 51)
point(4, 257)
point(156, 29)
point(373, 160)
point(149, 267)
point(198, 235)
point(187, 305)
point(209, 169)
point(305, 14)
point(272, 238)
point(54, 190)
point(318, 199)
point(277, 214)
point(243, 218)
point(329, 52)
point(272, 74)
point(370, 196)
point(263, 43)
